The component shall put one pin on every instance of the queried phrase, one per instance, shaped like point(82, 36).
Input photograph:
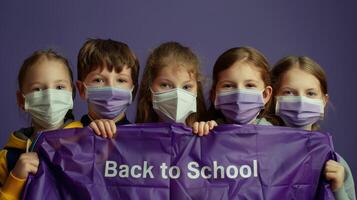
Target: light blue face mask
point(108, 102)
point(174, 105)
point(48, 107)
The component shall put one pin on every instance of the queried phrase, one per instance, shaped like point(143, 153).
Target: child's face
point(174, 76)
point(242, 75)
point(47, 74)
point(101, 78)
point(297, 82)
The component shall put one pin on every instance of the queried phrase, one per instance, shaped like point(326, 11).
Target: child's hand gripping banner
point(162, 161)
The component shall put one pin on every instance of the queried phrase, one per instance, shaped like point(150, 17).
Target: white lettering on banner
point(219, 171)
point(163, 168)
point(110, 168)
point(174, 172)
point(194, 170)
point(203, 174)
point(126, 171)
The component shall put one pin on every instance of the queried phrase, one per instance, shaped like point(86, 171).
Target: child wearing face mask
point(300, 91)
point(171, 88)
point(45, 92)
point(107, 78)
point(241, 90)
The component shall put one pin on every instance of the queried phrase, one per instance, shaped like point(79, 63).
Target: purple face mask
point(299, 111)
point(108, 102)
point(240, 106)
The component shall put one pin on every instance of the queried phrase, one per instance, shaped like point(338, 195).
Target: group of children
point(244, 91)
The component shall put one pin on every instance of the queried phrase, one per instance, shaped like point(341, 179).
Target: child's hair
point(39, 56)
point(304, 63)
point(161, 57)
point(110, 54)
point(244, 55)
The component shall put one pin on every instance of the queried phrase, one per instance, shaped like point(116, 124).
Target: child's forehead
point(177, 71)
point(47, 71)
point(179, 67)
point(241, 70)
point(46, 66)
point(299, 78)
point(104, 69)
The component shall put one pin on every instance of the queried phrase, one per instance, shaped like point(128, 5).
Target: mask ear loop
point(26, 107)
point(24, 97)
point(262, 95)
point(325, 100)
point(25, 102)
point(260, 111)
point(131, 93)
point(85, 89)
point(132, 89)
point(152, 91)
point(277, 104)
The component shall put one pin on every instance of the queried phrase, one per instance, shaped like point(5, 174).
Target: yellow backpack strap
point(75, 124)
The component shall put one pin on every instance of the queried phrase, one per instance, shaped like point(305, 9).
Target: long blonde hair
point(38, 56)
point(161, 57)
point(226, 60)
point(304, 63)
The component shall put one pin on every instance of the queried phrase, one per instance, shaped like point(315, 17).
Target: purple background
point(324, 30)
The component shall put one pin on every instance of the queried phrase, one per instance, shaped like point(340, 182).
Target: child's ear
point(20, 99)
point(267, 94)
point(81, 89)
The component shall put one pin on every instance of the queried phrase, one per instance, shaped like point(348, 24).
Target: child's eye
point(37, 89)
point(311, 94)
point(98, 80)
point(60, 87)
point(122, 80)
point(187, 87)
point(165, 86)
point(288, 93)
point(250, 85)
point(226, 85)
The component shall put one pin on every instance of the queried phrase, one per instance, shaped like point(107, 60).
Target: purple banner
point(163, 161)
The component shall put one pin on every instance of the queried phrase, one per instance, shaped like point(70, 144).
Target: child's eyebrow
point(191, 80)
point(314, 89)
point(287, 87)
point(164, 79)
point(250, 80)
point(127, 75)
point(225, 80)
point(34, 83)
point(96, 74)
point(62, 80)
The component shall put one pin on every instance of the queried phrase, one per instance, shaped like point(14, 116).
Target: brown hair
point(302, 62)
point(99, 53)
point(161, 57)
point(38, 56)
point(226, 60)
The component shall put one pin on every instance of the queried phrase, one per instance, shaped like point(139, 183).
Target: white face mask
point(174, 105)
point(48, 107)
